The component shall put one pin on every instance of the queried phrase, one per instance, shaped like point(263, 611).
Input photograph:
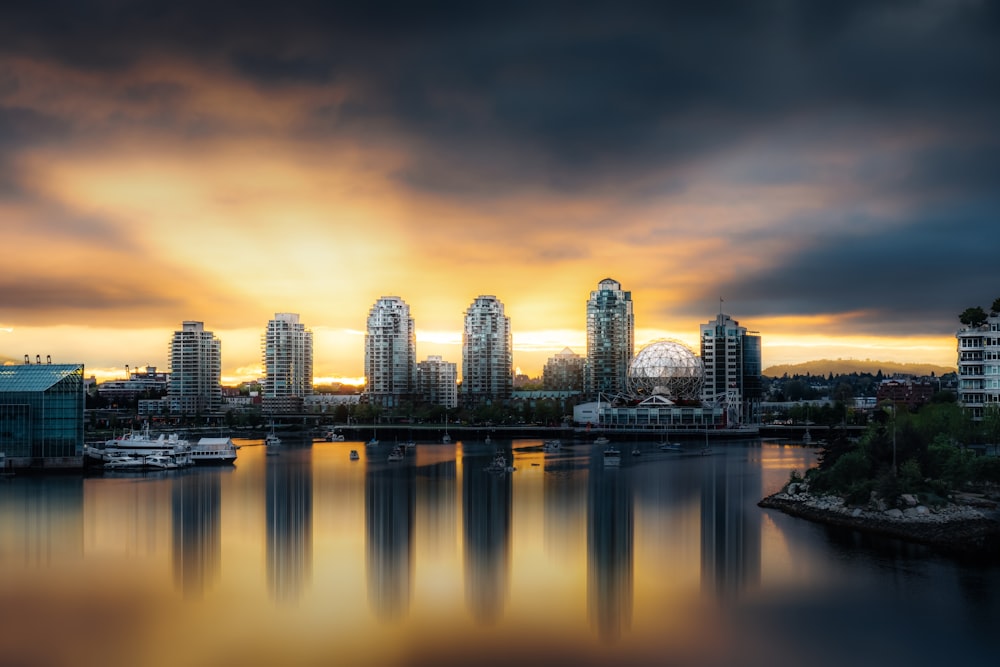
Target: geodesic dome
point(666, 367)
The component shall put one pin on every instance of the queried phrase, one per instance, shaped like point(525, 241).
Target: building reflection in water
point(610, 540)
point(42, 521)
point(390, 502)
point(197, 531)
point(730, 528)
point(289, 524)
point(486, 513)
point(437, 510)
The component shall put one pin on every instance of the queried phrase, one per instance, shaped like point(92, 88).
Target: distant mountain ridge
point(848, 366)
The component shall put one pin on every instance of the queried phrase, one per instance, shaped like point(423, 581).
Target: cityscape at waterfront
point(402, 334)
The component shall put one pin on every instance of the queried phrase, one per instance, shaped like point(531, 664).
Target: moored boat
point(396, 454)
point(209, 451)
point(612, 457)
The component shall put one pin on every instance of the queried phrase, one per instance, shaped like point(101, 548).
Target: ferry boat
point(220, 451)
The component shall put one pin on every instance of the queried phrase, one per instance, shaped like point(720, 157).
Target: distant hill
point(848, 366)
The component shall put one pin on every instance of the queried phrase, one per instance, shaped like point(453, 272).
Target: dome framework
point(666, 367)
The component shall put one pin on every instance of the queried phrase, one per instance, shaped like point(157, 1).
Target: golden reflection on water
point(310, 558)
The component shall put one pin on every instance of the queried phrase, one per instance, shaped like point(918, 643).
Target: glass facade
point(41, 410)
point(610, 339)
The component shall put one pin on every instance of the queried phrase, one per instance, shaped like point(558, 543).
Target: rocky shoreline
point(957, 528)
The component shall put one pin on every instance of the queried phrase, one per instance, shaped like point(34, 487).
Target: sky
point(828, 168)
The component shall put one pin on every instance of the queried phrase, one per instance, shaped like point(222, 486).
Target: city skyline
point(827, 169)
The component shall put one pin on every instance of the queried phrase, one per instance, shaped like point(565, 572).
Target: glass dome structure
point(666, 367)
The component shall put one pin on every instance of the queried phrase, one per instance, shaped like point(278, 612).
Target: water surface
point(308, 558)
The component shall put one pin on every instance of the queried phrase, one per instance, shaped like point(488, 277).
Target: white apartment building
point(195, 359)
point(487, 353)
point(437, 381)
point(979, 366)
point(732, 359)
point(390, 352)
point(610, 339)
point(287, 350)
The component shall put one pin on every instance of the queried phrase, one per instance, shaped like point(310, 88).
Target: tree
point(973, 317)
point(995, 308)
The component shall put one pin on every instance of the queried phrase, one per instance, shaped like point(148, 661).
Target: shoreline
point(955, 529)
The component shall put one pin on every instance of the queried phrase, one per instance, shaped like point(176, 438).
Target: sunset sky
point(830, 169)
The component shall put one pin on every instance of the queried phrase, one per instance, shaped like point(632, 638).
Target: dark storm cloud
point(576, 97)
point(916, 277)
point(579, 88)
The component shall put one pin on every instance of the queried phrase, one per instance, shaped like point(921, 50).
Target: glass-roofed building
point(41, 415)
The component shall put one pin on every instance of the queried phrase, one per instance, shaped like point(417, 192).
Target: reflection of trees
point(289, 526)
point(486, 511)
point(197, 532)
point(730, 528)
point(609, 549)
point(390, 499)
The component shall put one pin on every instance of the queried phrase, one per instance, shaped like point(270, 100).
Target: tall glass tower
point(195, 357)
point(731, 355)
point(390, 352)
point(288, 362)
point(487, 353)
point(610, 338)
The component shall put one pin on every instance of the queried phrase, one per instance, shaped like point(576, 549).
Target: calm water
point(308, 558)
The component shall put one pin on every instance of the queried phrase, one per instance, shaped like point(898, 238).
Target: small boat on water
point(333, 436)
point(499, 465)
point(670, 447)
point(552, 445)
point(601, 440)
point(354, 455)
point(272, 440)
point(636, 451)
point(612, 457)
point(395, 455)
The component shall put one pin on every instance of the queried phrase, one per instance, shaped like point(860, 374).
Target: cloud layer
point(822, 162)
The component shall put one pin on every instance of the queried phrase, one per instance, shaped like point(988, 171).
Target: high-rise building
point(390, 352)
point(195, 359)
point(564, 372)
point(731, 356)
point(979, 366)
point(487, 353)
point(288, 363)
point(437, 381)
point(610, 338)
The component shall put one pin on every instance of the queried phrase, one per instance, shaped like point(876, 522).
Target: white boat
point(123, 462)
point(372, 442)
point(354, 455)
point(409, 444)
point(636, 451)
point(670, 447)
point(333, 436)
point(140, 445)
point(612, 457)
point(209, 451)
point(601, 440)
point(395, 455)
point(551, 445)
point(160, 461)
point(272, 440)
